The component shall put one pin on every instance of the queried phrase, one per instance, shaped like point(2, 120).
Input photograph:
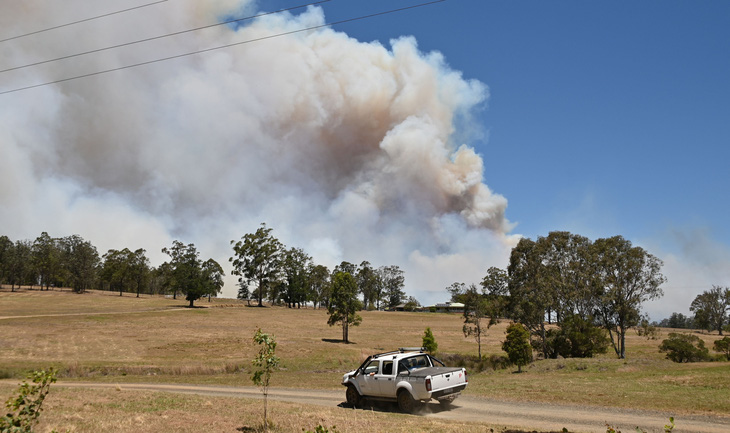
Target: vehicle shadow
point(392, 407)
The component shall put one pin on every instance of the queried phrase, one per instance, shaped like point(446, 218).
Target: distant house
point(450, 307)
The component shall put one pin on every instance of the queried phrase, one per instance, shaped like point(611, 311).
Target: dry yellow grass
point(100, 336)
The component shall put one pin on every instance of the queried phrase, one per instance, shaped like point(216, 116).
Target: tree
point(344, 304)
point(685, 348)
point(212, 278)
point(367, 284)
point(517, 345)
point(45, 256)
point(20, 270)
point(711, 308)
point(116, 269)
point(6, 254)
point(411, 304)
point(190, 275)
point(479, 312)
point(267, 362)
point(80, 262)
point(677, 321)
point(294, 269)
point(528, 303)
point(257, 260)
point(429, 342)
point(393, 283)
point(319, 284)
point(626, 277)
point(723, 346)
point(576, 338)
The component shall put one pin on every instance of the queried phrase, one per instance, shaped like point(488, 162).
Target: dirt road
point(524, 416)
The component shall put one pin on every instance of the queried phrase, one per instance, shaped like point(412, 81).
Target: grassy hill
point(100, 336)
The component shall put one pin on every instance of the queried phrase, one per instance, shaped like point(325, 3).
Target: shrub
point(517, 345)
point(576, 338)
point(685, 348)
point(723, 346)
point(429, 342)
point(27, 406)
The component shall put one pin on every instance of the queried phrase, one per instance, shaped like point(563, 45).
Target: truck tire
point(352, 396)
point(406, 402)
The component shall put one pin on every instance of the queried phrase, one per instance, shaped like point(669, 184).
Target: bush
point(576, 338)
point(723, 346)
point(517, 345)
point(27, 406)
point(429, 342)
point(473, 364)
point(685, 348)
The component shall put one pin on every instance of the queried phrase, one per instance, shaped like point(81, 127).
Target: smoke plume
point(346, 148)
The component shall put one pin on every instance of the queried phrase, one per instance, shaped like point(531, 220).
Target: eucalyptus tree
point(294, 276)
point(187, 271)
point(257, 260)
point(393, 285)
point(80, 261)
point(20, 269)
point(711, 308)
point(319, 285)
point(344, 305)
point(116, 270)
point(528, 301)
point(367, 284)
point(626, 277)
point(212, 275)
point(6, 253)
point(45, 259)
point(480, 312)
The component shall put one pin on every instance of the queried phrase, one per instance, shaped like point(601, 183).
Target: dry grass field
point(102, 337)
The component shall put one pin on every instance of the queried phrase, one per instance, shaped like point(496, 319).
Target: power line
point(161, 36)
point(82, 21)
point(221, 47)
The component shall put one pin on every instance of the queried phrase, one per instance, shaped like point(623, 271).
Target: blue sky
point(603, 118)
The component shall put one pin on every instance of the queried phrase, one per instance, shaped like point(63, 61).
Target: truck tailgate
point(448, 379)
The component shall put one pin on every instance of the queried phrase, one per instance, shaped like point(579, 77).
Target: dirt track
point(526, 416)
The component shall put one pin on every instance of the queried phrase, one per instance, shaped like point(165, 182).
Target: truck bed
point(433, 371)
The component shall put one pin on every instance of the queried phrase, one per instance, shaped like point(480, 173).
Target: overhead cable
point(363, 17)
point(161, 36)
point(82, 21)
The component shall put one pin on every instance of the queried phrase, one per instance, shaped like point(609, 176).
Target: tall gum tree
point(257, 260)
point(626, 277)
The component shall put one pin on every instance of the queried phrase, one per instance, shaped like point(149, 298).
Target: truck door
point(386, 379)
point(369, 383)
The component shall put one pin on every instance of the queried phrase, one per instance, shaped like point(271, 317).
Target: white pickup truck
point(408, 376)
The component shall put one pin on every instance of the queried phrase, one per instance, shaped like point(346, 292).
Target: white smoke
point(345, 148)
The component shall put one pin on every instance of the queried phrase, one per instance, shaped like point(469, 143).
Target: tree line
point(592, 290)
point(267, 271)
point(74, 262)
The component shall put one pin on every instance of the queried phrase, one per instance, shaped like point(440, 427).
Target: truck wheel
point(353, 397)
point(406, 402)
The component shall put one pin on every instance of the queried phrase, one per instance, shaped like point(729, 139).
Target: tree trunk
point(191, 303)
point(344, 331)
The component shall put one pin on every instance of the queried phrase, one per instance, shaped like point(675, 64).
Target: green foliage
point(266, 362)
point(723, 346)
point(257, 260)
point(645, 329)
point(684, 348)
point(429, 342)
point(344, 304)
point(711, 309)
point(576, 338)
point(473, 364)
point(26, 407)
point(517, 345)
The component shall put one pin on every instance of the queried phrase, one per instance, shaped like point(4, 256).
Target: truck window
point(373, 367)
point(388, 367)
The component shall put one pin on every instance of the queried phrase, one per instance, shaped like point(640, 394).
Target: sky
point(432, 138)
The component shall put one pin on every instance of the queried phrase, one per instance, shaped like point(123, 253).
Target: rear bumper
point(448, 392)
